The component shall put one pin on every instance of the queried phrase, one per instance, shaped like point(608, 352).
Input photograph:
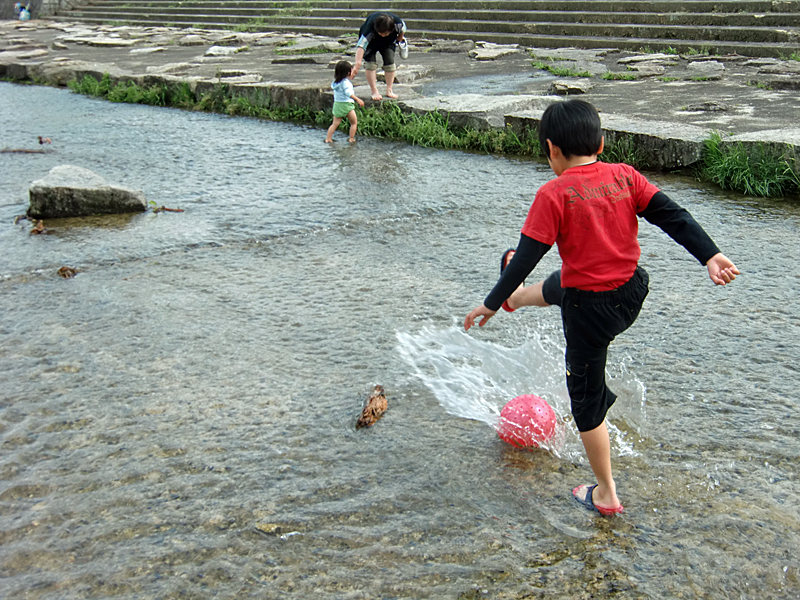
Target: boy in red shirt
point(590, 211)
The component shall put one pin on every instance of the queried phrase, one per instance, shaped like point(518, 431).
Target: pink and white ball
point(527, 421)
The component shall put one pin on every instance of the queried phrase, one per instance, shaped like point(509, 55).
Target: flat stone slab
point(70, 191)
point(408, 73)
point(170, 68)
point(664, 145)
point(567, 87)
point(489, 51)
point(477, 111)
point(225, 50)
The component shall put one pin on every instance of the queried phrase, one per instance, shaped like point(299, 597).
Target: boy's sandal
point(589, 503)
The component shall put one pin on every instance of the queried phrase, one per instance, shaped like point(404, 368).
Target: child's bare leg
point(351, 116)
point(598, 450)
point(332, 129)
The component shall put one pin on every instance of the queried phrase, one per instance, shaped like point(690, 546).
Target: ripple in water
point(473, 379)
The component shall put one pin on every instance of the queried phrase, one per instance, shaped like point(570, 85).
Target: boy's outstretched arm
point(721, 269)
point(527, 255)
point(681, 227)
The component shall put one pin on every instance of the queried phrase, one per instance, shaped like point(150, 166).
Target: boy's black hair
point(384, 23)
point(341, 71)
point(573, 126)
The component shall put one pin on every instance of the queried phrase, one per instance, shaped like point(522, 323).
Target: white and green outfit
point(342, 100)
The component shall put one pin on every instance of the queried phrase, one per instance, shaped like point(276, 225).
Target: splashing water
point(474, 379)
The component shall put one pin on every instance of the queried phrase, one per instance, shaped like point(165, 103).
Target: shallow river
point(178, 420)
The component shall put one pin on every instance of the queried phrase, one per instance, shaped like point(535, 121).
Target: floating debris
point(38, 228)
point(67, 272)
point(374, 408)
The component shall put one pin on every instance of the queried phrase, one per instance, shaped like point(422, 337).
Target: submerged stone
point(70, 191)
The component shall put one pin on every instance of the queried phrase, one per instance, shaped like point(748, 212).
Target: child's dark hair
point(573, 126)
point(341, 71)
point(384, 24)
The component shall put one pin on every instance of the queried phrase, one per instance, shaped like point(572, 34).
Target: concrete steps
point(752, 28)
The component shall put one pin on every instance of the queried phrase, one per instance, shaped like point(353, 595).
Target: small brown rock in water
point(67, 272)
point(374, 408)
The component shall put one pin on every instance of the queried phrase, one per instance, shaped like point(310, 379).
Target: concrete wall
point(39, 8)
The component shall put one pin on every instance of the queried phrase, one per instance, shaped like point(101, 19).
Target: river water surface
point(177, 421)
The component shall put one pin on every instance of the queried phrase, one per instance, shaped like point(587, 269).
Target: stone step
point(753, 28)
point(579, 6)
point(505, 31)
point(422, 17)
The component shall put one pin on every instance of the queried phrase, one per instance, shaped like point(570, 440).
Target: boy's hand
point(721, 269)
point(360, 102)
point(481, 311)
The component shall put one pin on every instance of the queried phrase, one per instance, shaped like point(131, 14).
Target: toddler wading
point(344, 99)
point(590, 211)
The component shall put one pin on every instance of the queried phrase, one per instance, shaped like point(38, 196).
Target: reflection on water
point(178, 419)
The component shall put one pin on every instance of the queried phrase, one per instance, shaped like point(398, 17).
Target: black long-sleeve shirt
point(661, 211)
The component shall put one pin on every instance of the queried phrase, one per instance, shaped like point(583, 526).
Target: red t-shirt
point(590, 213)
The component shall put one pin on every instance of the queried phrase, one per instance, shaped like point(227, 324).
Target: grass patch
point(668, 79)
point(385, 121)
point(757, 170)
point(301, 51)
point(559, 71)
point(252, 25)
point(618, 76)
point(704, 51)
point(624, 150)
point(758, 84)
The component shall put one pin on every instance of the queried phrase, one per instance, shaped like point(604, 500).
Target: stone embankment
point(664, 104)
point(746, 27)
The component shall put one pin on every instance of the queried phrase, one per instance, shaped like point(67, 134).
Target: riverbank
point(730, 119)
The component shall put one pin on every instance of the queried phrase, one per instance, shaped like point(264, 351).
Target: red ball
point(527, 421)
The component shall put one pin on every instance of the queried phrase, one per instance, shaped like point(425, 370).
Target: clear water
point(177, 421)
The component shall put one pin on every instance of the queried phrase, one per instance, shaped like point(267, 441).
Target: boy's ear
point(553, 149)
point(602, 145)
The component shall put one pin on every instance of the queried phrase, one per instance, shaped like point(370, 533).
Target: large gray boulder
point(70, 191)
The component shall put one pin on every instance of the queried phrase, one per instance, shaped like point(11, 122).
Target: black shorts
point(591, 321)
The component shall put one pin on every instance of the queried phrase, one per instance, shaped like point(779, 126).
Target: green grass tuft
point(757, 170)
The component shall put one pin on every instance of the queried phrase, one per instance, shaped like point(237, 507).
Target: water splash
point(474, 379)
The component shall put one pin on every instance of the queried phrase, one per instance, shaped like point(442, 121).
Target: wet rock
point(225, 50)
point(660, 144)
point(452, 46)
point(711, 70)
point(170, 68)
point(151, 50)
point(475, 110)
point(668, 59)
point(408, 73)
point(192, 40)
point(575, 54)
point(781, 68)
point(70, 191)
point(708, 106)
point(568, 87)
point(489, 51)
point(308, 59)
point(647, 70)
